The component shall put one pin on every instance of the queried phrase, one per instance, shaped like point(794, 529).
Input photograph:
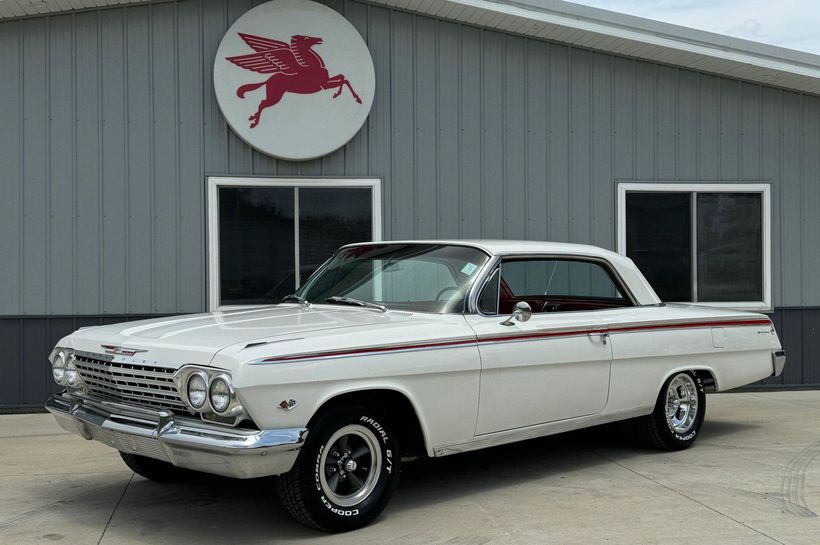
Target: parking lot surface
point(752, 477)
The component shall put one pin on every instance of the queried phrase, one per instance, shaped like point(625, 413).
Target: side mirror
point(521, 313)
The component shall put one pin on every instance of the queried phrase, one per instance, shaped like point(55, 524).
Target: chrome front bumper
point(187, 443)
point(778, 362)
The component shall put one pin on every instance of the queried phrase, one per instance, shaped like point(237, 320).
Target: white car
point(394, 350)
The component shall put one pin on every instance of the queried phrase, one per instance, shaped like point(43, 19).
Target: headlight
point(197, 390)
point(220, 394)
point(58, 368)
point(71, 375)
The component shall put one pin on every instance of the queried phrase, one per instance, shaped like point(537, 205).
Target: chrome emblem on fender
point(288, 404)
point(120, 350)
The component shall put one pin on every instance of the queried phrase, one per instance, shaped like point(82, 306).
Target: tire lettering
point(376, 426)
point(336, 511)
point(316, 469)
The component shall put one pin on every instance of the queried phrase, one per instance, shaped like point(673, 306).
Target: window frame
point(693, 188)
point(214, 183)
point(495, 265)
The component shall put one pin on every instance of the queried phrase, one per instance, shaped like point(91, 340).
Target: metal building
point(125, 194)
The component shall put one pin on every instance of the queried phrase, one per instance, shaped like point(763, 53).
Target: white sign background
point(299, 127)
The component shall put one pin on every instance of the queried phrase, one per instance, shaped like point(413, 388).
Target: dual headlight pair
point(207, 390)
point(63, 369)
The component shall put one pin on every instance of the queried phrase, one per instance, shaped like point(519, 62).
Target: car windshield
point(417, 277)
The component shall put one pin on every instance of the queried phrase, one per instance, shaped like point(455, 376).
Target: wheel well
point(394, 405)
point(707, 378)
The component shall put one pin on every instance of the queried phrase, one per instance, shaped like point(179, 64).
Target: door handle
point(603, 334)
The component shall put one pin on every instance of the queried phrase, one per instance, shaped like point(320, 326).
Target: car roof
point(635, 281)
point(506, 247)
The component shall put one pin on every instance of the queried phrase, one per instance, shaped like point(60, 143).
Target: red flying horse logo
point(295, 68)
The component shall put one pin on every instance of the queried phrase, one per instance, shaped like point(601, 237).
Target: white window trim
point(215, 182)
point(763, 188)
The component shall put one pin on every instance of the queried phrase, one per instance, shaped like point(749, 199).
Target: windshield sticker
point(469, 268)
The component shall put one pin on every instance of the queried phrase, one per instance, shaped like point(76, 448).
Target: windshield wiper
point(356, 302)
point(293, 298)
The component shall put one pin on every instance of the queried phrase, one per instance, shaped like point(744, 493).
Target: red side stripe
point(723, 323)
point(524, 337)
point(374, 350)
point(625, 329)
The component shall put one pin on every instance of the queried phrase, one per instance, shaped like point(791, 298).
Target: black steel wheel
point(345, 473)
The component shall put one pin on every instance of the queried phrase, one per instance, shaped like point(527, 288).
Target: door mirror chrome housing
point(521, 313)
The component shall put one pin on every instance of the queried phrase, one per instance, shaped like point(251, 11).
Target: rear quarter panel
point(651, 343)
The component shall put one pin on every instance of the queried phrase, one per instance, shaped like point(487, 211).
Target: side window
point(488, 300)
point(558, 285)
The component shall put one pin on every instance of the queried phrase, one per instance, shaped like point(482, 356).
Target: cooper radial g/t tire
point(678, 415)
point(155, 470)
point(345, 473)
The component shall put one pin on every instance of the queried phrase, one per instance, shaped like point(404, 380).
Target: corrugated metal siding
point(111, 126)
point(27, 343)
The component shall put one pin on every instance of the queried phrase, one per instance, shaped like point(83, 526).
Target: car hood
point(195, 338)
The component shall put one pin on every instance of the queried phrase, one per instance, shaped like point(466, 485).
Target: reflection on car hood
point(206, 334)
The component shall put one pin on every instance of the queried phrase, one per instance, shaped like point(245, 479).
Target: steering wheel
point(549, 306)
point(445, 290)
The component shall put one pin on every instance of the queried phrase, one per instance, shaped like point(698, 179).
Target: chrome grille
point(145, 385)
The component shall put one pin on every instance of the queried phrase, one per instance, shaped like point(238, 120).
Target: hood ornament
point(120, 350)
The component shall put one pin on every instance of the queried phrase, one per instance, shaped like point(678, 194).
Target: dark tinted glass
point(559, 278)
point(730, 256)
point(256, 246)
point(658, 240)
point(488, 301)
point(330, 218)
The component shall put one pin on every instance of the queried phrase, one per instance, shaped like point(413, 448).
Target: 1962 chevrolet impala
point(400, 349)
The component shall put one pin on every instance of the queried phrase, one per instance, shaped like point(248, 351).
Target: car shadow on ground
point(199, 506)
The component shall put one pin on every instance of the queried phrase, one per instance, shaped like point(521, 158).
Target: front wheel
point(345, 473)
point(678, 415)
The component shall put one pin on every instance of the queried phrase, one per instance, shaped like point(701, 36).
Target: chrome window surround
point(495, 262)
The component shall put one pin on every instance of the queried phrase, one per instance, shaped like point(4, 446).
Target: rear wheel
point(675, 422)
point(155, 470)
point(345, 474)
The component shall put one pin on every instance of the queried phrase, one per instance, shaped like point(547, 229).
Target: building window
point(267, 236)
point(700, 243)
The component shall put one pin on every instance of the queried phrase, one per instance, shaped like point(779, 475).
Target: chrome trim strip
point(441, 344)
point(526, 336)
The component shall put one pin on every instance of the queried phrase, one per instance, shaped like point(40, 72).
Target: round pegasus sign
point(294, 79)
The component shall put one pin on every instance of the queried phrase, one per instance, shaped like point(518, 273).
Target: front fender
point(441, 385)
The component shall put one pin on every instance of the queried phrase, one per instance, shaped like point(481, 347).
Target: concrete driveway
point(753, 477)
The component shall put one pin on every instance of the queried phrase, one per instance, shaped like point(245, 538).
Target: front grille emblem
point(120, 350)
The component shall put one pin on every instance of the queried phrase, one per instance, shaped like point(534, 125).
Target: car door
point(555, 365)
